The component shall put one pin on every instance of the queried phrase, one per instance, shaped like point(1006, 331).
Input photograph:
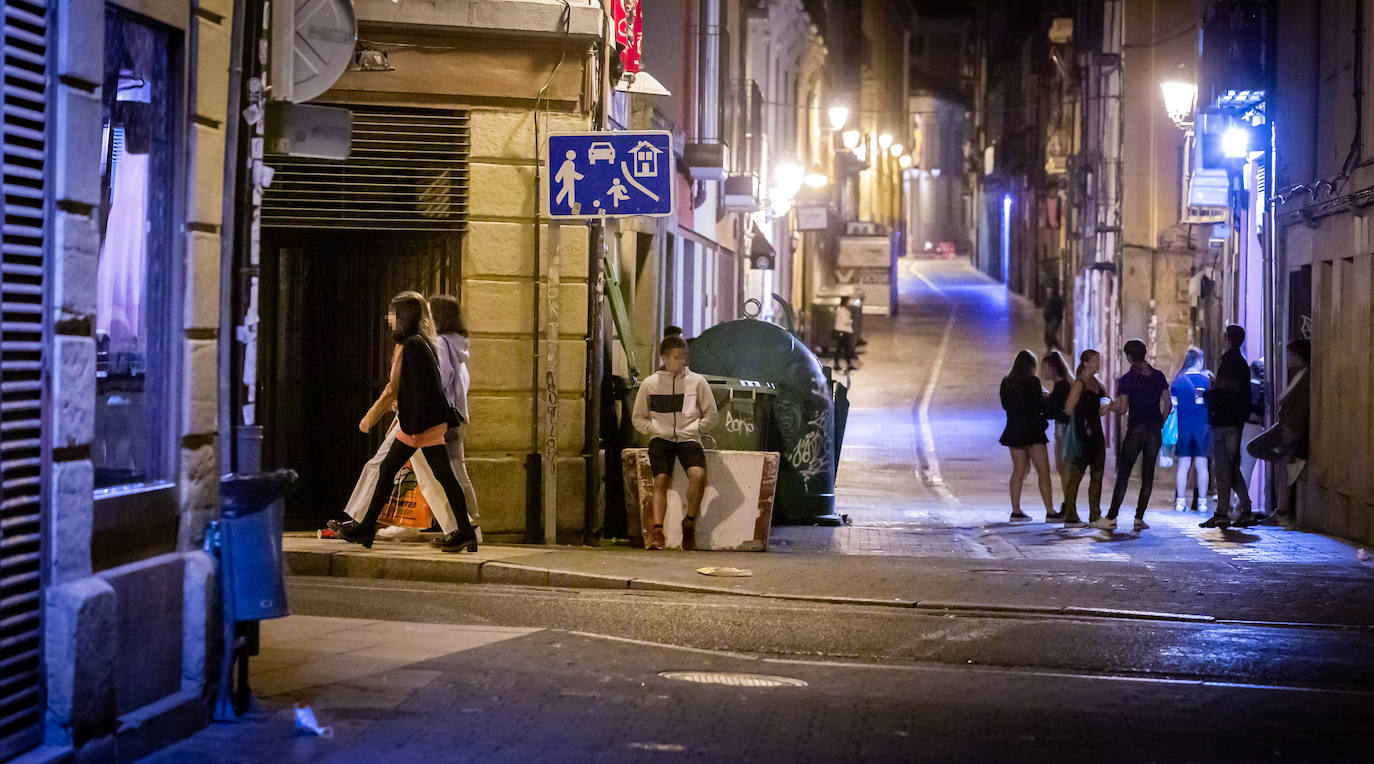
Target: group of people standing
point(427, 388)
point(1211, 413)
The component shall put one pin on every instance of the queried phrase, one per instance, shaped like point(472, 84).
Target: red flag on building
point(627, 16)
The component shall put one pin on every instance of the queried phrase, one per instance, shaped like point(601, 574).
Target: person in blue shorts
point(1189, 393)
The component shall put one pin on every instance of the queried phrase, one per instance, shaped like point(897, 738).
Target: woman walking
point(1086, 406)
point(424, 415)
point(1055, 373)
point(453, 375)
point(1024, 401)
point(1189, 390)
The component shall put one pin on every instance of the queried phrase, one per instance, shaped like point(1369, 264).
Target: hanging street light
point(884, 140)
point(1178, 102)
point(816, 177)
point(896, 149)
point(851, 139)
point(839, 116)
point(905, 161)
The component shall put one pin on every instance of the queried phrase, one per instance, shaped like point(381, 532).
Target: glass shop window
point(135, 317)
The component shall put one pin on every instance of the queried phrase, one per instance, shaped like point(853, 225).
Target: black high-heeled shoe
point(356, 533)
point(459, 541)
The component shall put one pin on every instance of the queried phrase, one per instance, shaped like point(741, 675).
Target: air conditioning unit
point(707, 161)
point(741, 193)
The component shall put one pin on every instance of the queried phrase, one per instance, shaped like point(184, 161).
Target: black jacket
point(420, 400)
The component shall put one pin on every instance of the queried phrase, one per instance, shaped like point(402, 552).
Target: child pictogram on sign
point(617, 193)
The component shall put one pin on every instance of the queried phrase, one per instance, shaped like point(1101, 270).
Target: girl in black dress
point(1055, 373)
point(425, 415)
point(1024, 401)
point(1086, 405)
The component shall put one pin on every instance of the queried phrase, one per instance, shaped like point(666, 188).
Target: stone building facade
point(135, 167)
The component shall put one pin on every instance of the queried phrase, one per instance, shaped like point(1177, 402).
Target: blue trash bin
point(250, 544)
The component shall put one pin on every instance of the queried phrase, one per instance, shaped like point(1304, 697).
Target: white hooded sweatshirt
point(677, 408)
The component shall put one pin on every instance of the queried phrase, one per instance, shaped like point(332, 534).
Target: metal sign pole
point(550, 377)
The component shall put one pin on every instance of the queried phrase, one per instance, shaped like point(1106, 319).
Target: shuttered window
point(407, 171)
point(23, 112)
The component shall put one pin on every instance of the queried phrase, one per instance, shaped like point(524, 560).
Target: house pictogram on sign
point(646, 159)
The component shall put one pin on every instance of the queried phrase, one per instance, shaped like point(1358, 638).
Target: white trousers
point(424, 476)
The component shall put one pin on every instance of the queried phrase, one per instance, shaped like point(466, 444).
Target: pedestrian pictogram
point(612, 174)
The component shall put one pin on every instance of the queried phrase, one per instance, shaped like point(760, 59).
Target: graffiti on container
point(736, 425)
point(811, 455)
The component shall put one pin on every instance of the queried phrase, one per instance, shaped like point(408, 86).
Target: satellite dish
point(313, 42)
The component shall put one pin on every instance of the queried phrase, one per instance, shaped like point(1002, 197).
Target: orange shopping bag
point(407, 506)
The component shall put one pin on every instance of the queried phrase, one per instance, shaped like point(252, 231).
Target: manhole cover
point(732, 679)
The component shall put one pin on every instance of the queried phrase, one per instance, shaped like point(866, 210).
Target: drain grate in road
point(732, 679)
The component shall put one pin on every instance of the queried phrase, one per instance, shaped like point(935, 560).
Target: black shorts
point(662, 452)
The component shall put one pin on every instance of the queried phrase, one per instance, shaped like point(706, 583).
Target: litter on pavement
point(724, 571)
point(305, 720)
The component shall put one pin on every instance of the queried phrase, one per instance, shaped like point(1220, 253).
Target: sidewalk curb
point(346, 563)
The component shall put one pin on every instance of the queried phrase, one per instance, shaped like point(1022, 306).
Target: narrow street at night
point(391, 381)
point(929, 628)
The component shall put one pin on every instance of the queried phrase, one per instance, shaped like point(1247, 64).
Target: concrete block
point(498, 307)
point(502, 191)
point(200, 387)
point(69, 527)
point(199, 494)
point(80, 41)
point(201, 620)
point(80, 646)
point(558, 578)
point(205, 190)
point(736, 510)
point(76, 242)
point(149, 629)
point(201, 309)
point(73, 391)
point(76, 171)
point(212, 69)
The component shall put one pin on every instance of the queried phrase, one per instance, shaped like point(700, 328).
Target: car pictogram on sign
point(601, 150)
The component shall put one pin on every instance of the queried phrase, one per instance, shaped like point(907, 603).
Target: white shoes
point(1202, 505)
point(397, 533)
point(1104, 524)
point(1181, 505)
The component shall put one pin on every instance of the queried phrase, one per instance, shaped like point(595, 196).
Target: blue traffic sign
point(612, 173)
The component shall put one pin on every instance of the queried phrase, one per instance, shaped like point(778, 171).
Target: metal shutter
point(23, 110)
point(407, 171)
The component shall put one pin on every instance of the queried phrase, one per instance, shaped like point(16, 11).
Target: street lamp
point(884, 140)
point(788, 176)
point(816, 177)
point(1178, 102)
point(1235, 142)
point(895, 149)
point(905, 161)
point(839, 115)
point(851, 139)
